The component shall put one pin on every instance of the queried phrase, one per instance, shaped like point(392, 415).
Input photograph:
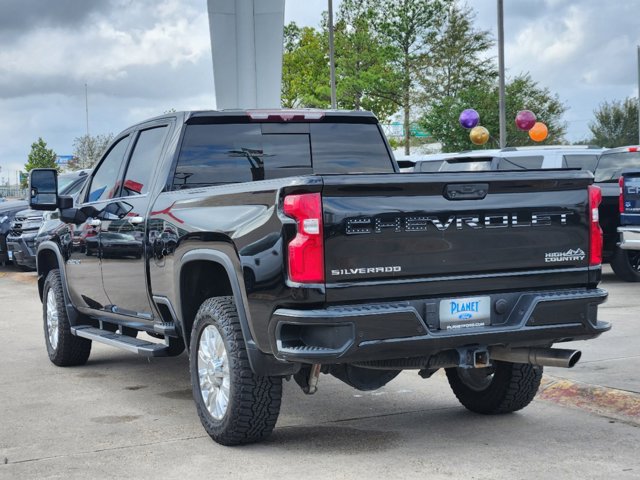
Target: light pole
point(639, 94)
point(501, 88)
point(86, 106)
point(332, 62)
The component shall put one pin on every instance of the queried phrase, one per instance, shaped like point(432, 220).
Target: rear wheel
point(626, 264)
point(64, 348)
point(234, 404)
point(503, 388)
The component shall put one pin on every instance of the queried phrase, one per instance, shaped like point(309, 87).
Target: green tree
point(615, 124)
point(305, 68)
point(522, 92)
point(409, 27)
point(364, 69)
point(40, 157)
point(364, 62)
point(88, 149)
point(458, 57)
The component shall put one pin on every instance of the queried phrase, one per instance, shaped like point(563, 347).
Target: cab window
point(104, 184)
point(145, 156)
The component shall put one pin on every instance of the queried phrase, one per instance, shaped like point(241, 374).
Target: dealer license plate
point(10, 254)
point(461, 313)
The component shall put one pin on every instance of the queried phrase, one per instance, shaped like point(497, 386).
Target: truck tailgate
point(420, 226)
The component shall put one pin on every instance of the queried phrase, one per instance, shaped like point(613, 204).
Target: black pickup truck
point(279, 244)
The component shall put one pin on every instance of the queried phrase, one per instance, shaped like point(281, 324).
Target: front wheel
point(626, 264)
point(234, 404)
point(64, 348)
point(502, 388)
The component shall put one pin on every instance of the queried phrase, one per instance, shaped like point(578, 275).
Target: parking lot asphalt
point(123, 416)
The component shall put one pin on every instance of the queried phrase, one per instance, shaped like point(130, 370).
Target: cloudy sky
point(140, 58)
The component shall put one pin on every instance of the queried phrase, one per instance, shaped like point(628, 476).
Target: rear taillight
point(595, 235)
point(621, 195)
point(306, 250)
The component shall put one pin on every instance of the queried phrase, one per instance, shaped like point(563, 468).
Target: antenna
point(86, 105)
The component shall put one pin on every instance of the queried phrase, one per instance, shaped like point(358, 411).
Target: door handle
point(94, 222)
point(136, 220)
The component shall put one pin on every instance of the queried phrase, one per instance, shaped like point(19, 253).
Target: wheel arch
point(49, 257)
point(204, 264)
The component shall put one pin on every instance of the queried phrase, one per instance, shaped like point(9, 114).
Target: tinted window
point(611, 165)
point(468, 165)
point(348, 148)
point(75, 187)
point(583, 162)
point(429, 166)
point(533, 162)
point(144, 157)
point(105, 181)
point(64, 181)
point(231, 153)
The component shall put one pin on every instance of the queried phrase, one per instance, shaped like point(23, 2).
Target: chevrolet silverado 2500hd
point(278, 244)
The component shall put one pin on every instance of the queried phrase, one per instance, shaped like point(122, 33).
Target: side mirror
point(65, 201)
point(43, 189)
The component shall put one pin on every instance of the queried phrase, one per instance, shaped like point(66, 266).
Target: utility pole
point(332, 61)
point(86, 106)
point(501, 88)
point(638, 94)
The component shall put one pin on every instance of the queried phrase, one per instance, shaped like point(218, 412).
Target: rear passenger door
point(123, 241)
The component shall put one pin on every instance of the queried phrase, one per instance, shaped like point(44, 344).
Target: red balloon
point(525, 120)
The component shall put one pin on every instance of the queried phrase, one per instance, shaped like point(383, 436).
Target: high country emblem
point(570, 255)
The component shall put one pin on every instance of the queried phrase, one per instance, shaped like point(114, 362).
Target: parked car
point(21, 238)
point(517, 158)
point(629, 208)
point(357, 271)
point(8, 211)
point(624, 262)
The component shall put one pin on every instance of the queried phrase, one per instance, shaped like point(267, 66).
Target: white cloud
point(143, 57)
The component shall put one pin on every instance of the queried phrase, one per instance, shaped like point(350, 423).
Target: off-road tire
point(512, 388)
point(70, 350)
point(254, 401)
point(626, 264)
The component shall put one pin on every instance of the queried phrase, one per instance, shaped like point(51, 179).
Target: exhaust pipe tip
point(548, 357)
point(574, 358)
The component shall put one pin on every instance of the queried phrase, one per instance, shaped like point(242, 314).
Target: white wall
point(246, 42)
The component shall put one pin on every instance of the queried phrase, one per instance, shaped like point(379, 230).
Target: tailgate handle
point(466, 191)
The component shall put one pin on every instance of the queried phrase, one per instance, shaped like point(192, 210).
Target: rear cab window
point(583, 162)
point(222, 153)
point(611, 165)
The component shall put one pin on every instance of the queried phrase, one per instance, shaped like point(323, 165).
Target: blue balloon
point(469, 118)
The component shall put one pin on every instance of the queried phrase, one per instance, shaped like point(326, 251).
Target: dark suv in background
point(625, 263)
point(20, 240)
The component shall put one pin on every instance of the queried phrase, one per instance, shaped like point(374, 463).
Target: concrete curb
point(609, 402)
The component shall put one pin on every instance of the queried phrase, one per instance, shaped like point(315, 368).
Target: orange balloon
point(538, 132)
point(479, 135)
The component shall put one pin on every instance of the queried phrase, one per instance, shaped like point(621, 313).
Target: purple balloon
point(525, 120)
point(469, 118)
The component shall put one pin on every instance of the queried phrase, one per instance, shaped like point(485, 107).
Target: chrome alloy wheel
point(213, 372)
point(52, 319)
